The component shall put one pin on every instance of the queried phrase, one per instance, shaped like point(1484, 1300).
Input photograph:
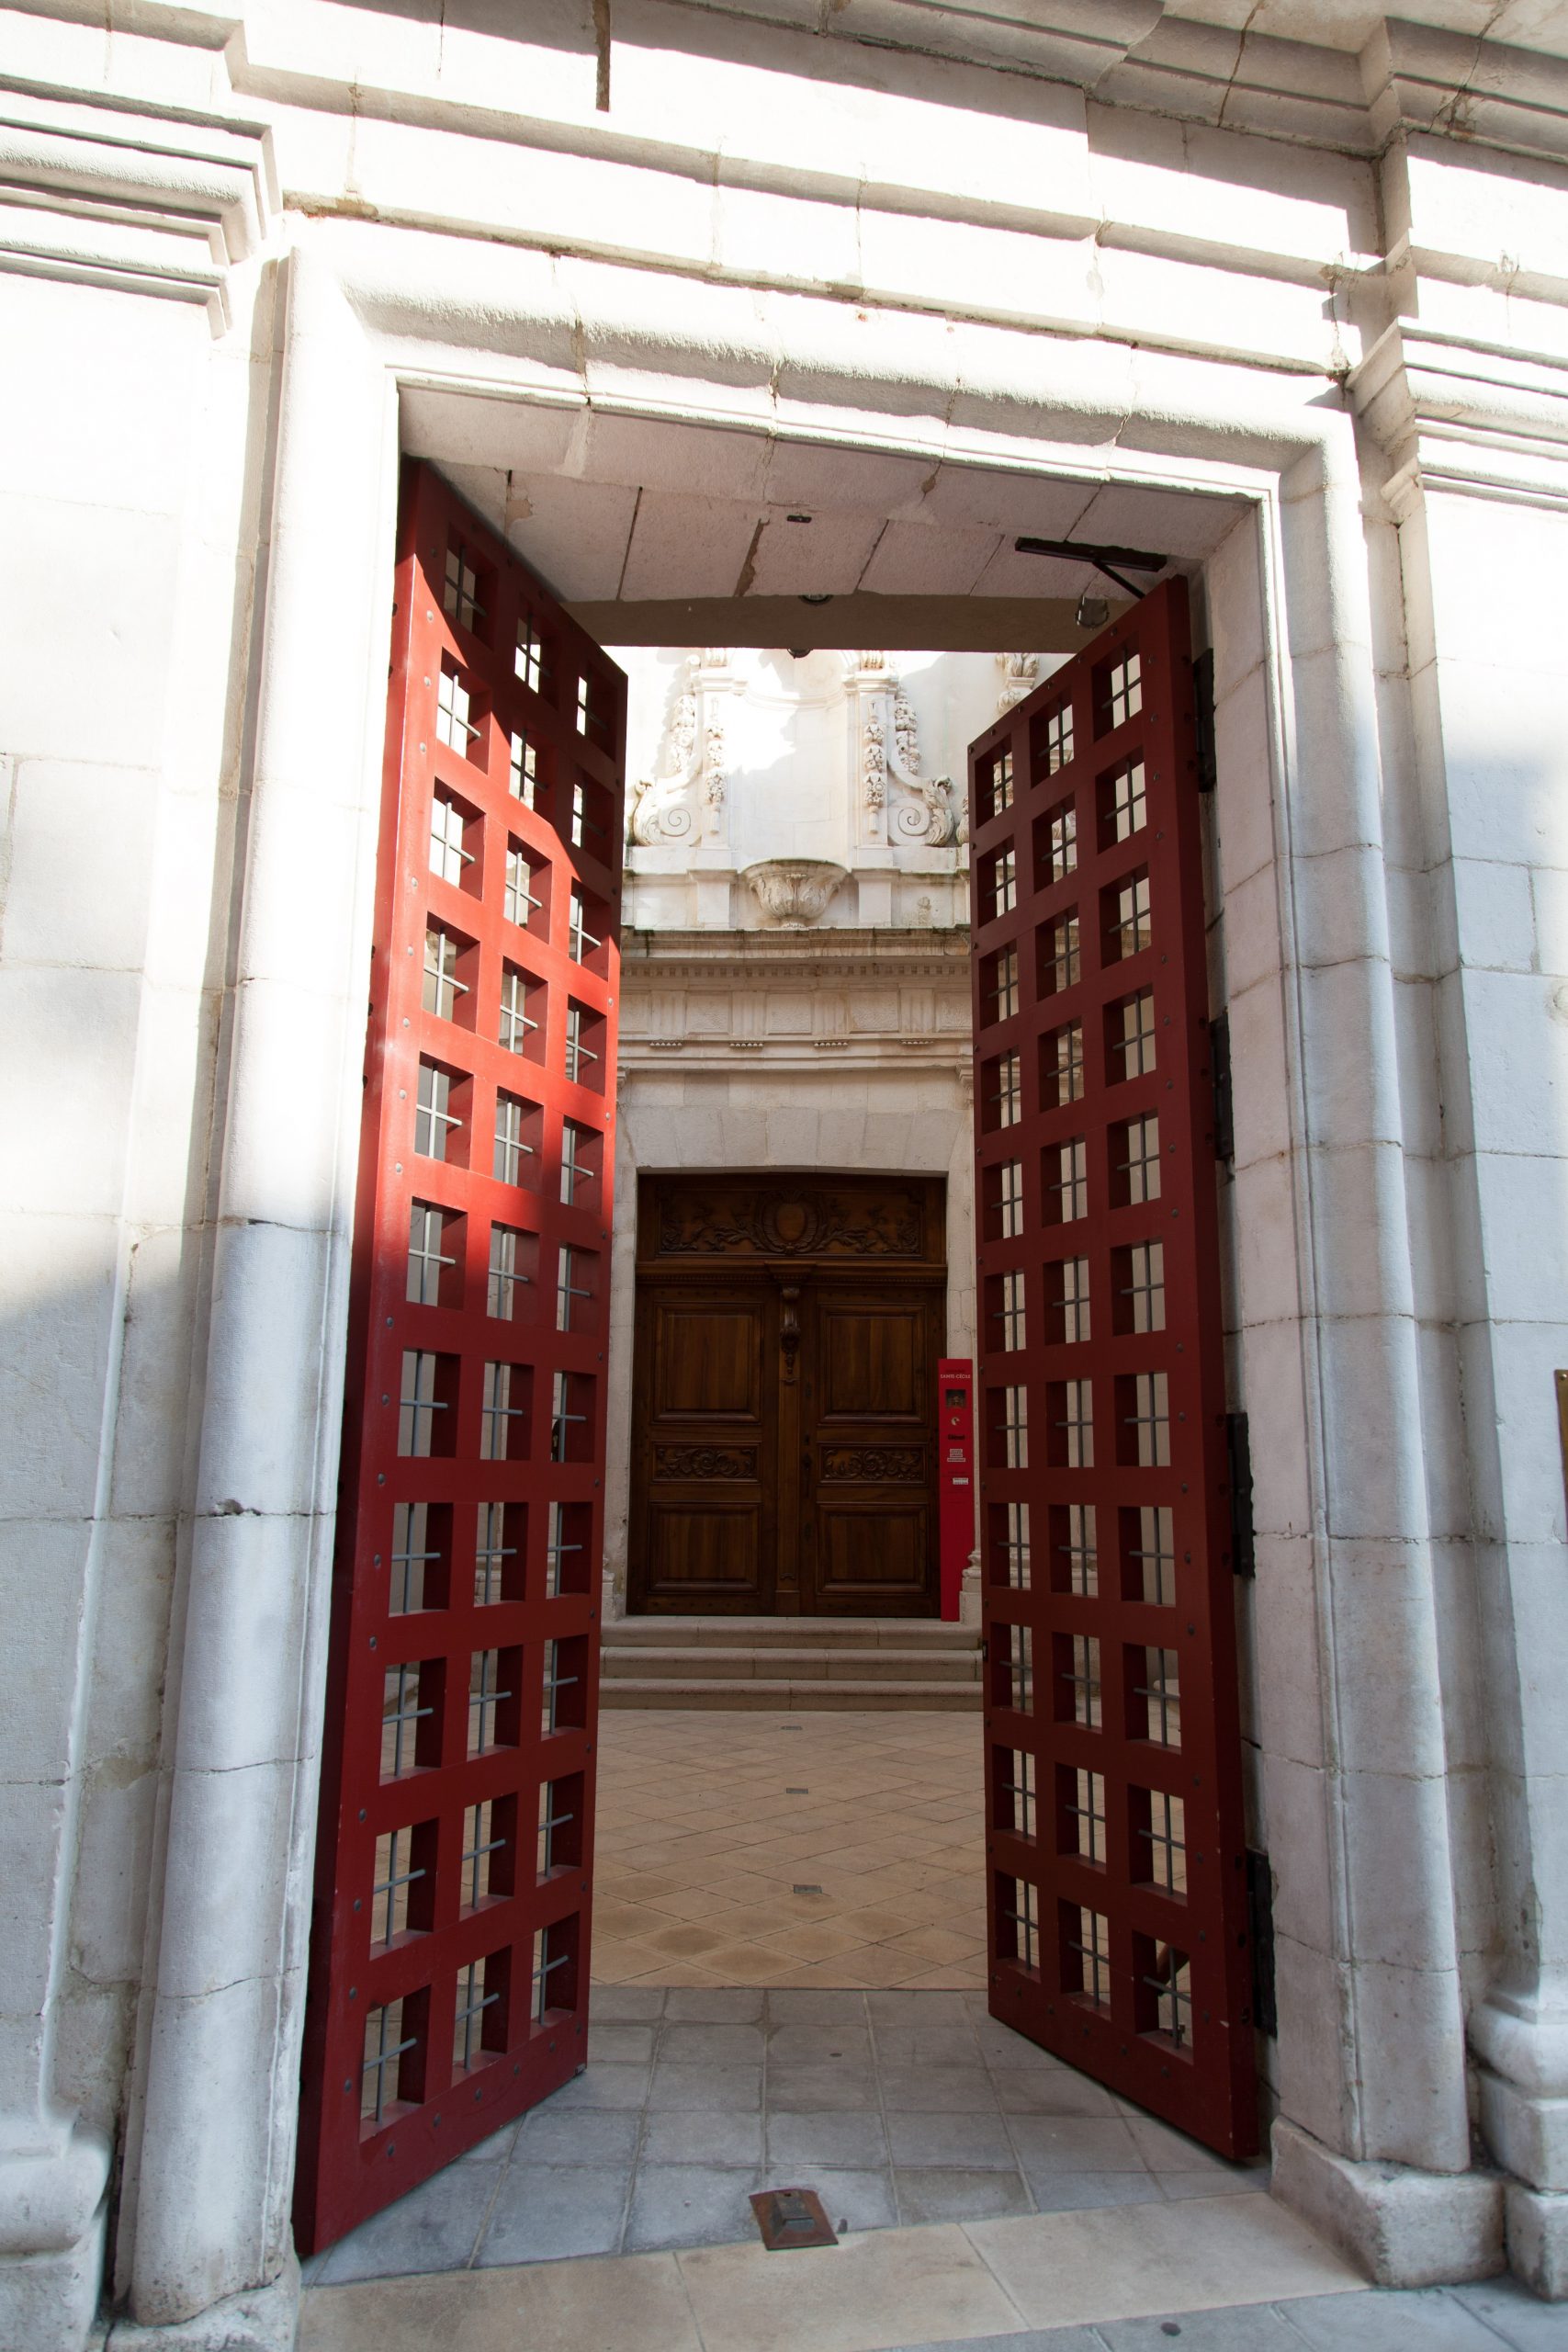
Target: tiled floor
point(805, 1850)
point(898, 2107)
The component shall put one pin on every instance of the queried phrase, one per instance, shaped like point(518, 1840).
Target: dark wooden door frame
point(791, 1243)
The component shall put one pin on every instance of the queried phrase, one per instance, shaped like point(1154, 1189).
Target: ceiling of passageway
point(656, 532)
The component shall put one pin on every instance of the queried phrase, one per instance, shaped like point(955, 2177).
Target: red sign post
point(955, 1423)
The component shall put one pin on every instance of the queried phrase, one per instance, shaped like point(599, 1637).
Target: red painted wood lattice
point(450, 1935)
point(1115, 1846)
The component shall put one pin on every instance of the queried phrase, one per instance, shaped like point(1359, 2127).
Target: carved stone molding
point(795, 891)
point(103, 194)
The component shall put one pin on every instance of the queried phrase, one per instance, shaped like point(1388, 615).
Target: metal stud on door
point(1114, 1839)
point(450, 1935)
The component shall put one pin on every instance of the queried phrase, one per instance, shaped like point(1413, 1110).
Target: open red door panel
point(1115, 1844)
point(449, 1940)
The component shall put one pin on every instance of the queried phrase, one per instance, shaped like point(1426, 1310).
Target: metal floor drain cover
point(792, 2217)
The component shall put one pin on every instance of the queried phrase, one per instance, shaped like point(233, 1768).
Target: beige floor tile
point(691, 1903)
point(819, 1942)
point(675, 1972)
point(878, 1924)
point(550, 2306)
point(685, 1941)
point(1063, 2269)
point(886, 2288)
point(878, 1965)
point(624, 1922)
point(935, 1945)
point(618, 1964)
point(956, 1977)
point(698, 1834)
point(750, 1963)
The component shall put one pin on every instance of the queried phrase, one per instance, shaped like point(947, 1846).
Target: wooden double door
point(783, 1445)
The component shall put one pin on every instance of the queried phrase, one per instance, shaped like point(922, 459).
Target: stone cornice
point(800, 960)
point(1465, 416)
point(149, 200)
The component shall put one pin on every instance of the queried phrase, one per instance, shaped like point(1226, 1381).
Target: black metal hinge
point(1220, 1079)
point(1261, 1928)
point(1203, 719)
point(1238, 1448)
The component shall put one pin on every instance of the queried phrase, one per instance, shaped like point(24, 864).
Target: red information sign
point(955, 1427)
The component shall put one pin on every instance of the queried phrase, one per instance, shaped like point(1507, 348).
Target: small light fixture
point(1093, 612)
point(816, 600)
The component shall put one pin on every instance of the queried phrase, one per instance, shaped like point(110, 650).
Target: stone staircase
point(789, 1664)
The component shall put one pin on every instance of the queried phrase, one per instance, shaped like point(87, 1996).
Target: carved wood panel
point(784, 1412)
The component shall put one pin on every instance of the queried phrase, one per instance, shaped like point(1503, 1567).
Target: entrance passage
point(783, 1458)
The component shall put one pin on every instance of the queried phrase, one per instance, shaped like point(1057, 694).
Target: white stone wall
point(1242, 299)
point(128, 516)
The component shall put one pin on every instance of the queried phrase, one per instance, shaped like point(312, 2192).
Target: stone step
point(805, 1664)
point(789, 1633)
point(792, 1698)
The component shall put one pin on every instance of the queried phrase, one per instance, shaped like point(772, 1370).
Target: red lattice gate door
point(1115, 1850)
point(449, 1955)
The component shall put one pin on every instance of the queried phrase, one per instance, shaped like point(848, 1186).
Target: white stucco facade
point(1277, 292)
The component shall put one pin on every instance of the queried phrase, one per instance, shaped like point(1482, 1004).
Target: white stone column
point(1374, 2138)
point(209, 2173)
point(1487, 667)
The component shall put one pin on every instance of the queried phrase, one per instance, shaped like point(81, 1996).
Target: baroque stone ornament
point(795, 891)
point(670, 808)
point(1020, 673)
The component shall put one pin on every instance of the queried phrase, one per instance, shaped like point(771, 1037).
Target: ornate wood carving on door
point(1118, 1892)
point(449, 1939)
point(784, 1404)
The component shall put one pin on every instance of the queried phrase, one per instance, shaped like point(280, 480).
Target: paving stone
point(730, 2087)
point(1521, 2318)
point(852, 2199)
point(1079, 2192)
point(1249, 2327)
point(702, 2135)
point(1072, 2144)
point(938, 2089)
point(835, 2138)
point(819, 2045)
point(493, 2151)
point(801, 2090)
point(690, 2205)
point(1231, 2180)
point(713, 2004)
point(548, 2212)
point(1051, 2339)
point(616, 2085)
point(435, 2227)
point(954, 2193)
point(577, 2136)
point(962, 2140)
point(935, 2045)
point(1049, 2090)
point(804, 2005)
point(907, 2004)
point(611, 2045)
point(625, 2004)
point(711, 2045)
point(1431, 2320)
